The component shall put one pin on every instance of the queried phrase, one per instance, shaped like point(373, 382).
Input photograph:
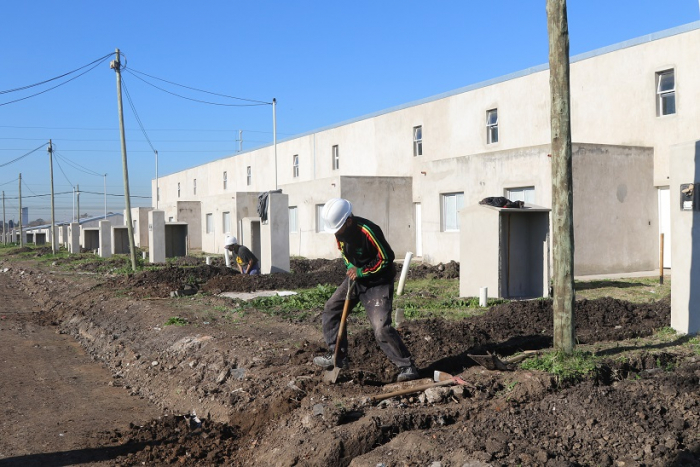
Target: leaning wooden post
point(562, 185)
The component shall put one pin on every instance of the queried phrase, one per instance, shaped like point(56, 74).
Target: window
point(194, 186)
point(249, 176)
point(178, 189)
point(158, 194)
point(492, 126)
point(225, 180)
point(210, 223)
point(335, 157)
point(320, 227)
point(417, 141)
point(226, 222)
point(525, 193)
point(451, 204)
point(295, 166)
point(665, 93)
point(170, 219)
point(292, 219)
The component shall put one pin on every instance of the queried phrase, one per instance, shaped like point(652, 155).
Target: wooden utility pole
point(562, 180)
point(116, 66)
point(53, 215)
point(21, 235)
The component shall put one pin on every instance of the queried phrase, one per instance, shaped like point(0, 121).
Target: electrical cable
point(27, 187)
point(198, 100)
point(64, 174)
point(11, 181)
point(52, 88)
point(132, 71)
point(57, 77)
point(138, 119)
point(77, 166)
point(22, 157)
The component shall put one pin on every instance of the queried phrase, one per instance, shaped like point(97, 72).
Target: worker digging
point(370, 272)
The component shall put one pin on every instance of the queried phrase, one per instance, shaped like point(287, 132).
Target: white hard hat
point(335, 213)
point(230, 241)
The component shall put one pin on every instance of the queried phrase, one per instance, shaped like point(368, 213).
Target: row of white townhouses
point(412, 168)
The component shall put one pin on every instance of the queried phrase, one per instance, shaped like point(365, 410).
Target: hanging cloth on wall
point(262, 204)
point(501, 202)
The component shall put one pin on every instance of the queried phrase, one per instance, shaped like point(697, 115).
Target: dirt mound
point(181, 440)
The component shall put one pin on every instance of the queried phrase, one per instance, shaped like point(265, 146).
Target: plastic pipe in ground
point(483, 296)
point(227, 258)
point(404, 272)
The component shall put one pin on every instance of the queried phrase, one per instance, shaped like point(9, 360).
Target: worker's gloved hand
point(352, 273)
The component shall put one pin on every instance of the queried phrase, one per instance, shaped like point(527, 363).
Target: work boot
point(407, 373)
point(326, 362)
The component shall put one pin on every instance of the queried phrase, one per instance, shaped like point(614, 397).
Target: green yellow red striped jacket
point(363, 245)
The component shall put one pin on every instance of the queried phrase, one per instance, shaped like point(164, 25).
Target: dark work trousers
point(378, 301)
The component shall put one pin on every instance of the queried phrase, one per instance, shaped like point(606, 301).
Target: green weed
point(176, 321)
point(564, 367)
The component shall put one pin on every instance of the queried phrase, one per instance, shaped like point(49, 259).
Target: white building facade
point(412, 168)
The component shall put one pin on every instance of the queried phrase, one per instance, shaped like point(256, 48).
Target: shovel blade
point(490, 362)
point(331, 376)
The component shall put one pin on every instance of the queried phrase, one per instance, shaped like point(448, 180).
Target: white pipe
point(404, 272)
point(483, 296)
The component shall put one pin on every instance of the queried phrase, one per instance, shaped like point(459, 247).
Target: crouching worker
point(370, 264)
point(245, 259)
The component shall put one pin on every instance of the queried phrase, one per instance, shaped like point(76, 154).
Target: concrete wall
point(685, 229)
point(139, 216)
point(615, 210)
point(190, 212)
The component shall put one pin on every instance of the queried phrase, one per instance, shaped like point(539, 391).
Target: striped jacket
point(363, 245)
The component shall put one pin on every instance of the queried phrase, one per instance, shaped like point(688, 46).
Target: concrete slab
point(623, 275)
point(252, 295)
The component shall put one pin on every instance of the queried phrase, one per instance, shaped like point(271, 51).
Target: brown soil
point(259, 401)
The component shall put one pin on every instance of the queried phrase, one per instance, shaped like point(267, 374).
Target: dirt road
point(54, 398)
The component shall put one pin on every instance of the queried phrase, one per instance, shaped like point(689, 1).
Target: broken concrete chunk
point(238, 373)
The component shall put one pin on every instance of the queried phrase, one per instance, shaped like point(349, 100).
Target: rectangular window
point(295, 166)
point(417, 141)
point(335, 157)
point(292, 219)
point(492, 126)
point(194, 186)
point(524, 193)
point(226, 222)
point(178, 189)
point(225, 180)
point(665, 93)
point(319, 218)
point(210, 223)
point(249, 176)
point(158, 194)
point(451, 204)
point(170, 219)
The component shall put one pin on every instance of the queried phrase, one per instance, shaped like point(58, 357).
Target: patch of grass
point(564, 367)
point(176, 321)
point(425, 298)
point(296, 306)
point(635, 290)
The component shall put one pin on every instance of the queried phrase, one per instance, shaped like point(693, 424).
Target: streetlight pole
point(157, 192)
point(105, 196)
point(274, 134)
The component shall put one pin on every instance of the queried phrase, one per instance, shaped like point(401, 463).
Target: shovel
point(493, 363)
point(331, 376)
point(440, 378)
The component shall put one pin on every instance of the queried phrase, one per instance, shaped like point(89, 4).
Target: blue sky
point(324, 61)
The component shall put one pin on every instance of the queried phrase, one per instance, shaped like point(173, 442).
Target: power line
point(77, 166)
point(52, 88)
point(138, 119)
point(195, 89)
point(55, 78)
point(22, 157)
point(199, 100)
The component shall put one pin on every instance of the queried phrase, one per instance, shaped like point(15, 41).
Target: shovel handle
point(412, 390)
point(343, 321)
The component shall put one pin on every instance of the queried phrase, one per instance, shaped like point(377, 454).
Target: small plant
point(176, 321)
point(572, 367)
